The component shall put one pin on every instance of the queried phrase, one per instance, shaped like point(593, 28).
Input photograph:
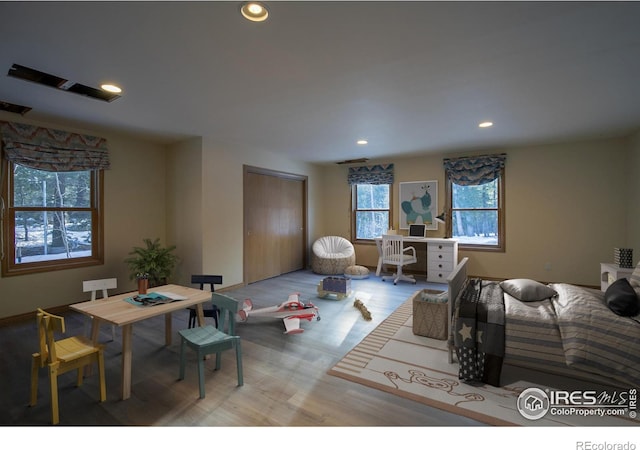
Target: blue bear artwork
point(418, 205)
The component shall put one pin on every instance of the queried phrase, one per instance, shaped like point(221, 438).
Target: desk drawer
point(434, 256)
point(437, 276)
point(440, 266)
point(438, 247)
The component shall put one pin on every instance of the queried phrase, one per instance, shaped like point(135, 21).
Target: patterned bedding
point(572, 333)
point(479, 339)
point(594, 339)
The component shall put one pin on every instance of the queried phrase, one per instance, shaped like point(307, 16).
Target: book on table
point(154, 298)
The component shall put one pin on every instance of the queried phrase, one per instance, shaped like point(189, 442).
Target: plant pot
point(143, 285)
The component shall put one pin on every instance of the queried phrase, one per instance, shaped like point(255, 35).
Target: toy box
point(339, 286)
point(429, 318)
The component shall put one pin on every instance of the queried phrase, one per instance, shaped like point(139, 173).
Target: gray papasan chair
point(331, 255)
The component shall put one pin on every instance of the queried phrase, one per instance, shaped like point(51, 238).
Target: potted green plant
point(153, 261)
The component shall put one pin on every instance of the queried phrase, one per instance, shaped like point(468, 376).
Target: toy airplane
point(290, 311)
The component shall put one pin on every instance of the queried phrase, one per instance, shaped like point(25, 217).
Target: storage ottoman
point(430, 310)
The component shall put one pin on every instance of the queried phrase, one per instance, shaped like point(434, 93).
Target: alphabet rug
point(393, 359)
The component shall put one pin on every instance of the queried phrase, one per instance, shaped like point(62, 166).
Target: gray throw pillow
point(621, 298)
point(527, 290)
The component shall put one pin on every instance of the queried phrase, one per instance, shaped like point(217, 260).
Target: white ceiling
point(411, 77)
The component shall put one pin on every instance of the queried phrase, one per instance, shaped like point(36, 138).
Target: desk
point(442, 256)
point(115, 310)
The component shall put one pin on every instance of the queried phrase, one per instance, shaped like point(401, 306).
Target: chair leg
point(239, 363)
point(201, 375)
point(218, 360)
point(103, 386)
point(216, 313)
point(80, 376)
point(53, 384)
point(35, 365)
point(192, 318)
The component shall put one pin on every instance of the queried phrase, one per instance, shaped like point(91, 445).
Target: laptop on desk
point(417, 231)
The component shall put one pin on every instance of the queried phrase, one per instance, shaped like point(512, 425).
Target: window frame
point(96, 208)
point(501, 246)
point(355, 210)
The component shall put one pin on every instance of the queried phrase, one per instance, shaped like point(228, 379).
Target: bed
point(573, 333)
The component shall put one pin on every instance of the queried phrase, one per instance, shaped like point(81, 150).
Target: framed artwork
point(419, 204)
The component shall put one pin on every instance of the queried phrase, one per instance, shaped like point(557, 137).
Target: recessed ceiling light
point(485, 124)
point(254, 11)
point(362, 142)
point(111, 88)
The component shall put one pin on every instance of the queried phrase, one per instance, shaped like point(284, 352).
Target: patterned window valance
point(474, 170)
point(378, 174)
point(52, 150)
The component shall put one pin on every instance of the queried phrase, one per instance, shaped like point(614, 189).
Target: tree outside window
point(372, 210)
point(475, 201)
point(53, 219)
point(474, 215)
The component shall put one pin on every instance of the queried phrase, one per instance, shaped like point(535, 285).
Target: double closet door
point(274, 223)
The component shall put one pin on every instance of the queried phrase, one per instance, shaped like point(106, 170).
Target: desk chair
point(94, 286)
point(394, 253)
point(208, 339)
point(213, 312)
point(62, 356)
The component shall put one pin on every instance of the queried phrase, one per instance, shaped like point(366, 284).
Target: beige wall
point(568, 205)
point(184, 207)
point(218, 184)
point(134, 209)
point(566, 208)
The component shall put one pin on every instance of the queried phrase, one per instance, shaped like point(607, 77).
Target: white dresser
point(442, 258)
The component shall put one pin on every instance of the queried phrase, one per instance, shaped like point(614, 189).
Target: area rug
point(392, 359)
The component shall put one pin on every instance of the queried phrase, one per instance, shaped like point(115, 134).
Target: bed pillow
point(622, 299)
point(527, 290)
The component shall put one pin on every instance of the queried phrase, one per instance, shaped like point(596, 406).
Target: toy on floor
point(339, 286)
point(363, 309)
point(291, 312)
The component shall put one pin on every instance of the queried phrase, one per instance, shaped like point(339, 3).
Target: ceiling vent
point(46, 79)
point(353, 161)
point(13, 108)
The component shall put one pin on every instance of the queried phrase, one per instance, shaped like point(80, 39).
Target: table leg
point(95, 332)
point(200, 314)
point(127, 332)
point(167, 329)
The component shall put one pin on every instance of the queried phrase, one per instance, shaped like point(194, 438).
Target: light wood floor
point(285, 377)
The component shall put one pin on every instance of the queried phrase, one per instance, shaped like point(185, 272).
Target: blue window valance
point(474, 170)
point(378, 174)
point(52, 150)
